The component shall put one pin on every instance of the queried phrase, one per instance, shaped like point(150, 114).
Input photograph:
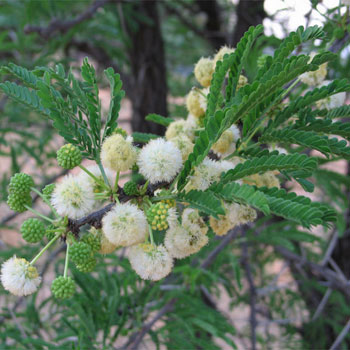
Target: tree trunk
point(249, 13)
point(147, 61)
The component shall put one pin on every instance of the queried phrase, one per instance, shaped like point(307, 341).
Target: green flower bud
point(49, 233)
point(48, 190)
point(20, 183)
point(17, 201)
point(87, 266)
point(130, 188)
point(157, 216)
point(80, 252)
point(63, 287)
point(93, 241)
point(68, 156)
point(33, 230)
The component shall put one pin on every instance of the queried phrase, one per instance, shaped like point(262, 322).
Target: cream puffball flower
point(159, 161)
point(73, 197)
point(118, 153)
point(316, 77)
point(205, 174)
point(181, 242)
point(333, 101)
point(193, 222)
point(125, 225)
point(96, 171)
point(196, 102)
point(222, 52)
point(19, 277)
point(227, 141)
point(203, 71)
point(267, 179)
point(180, 127)
point(236, 214)
point(106, 246)
point(150, 262)
point(184, 144)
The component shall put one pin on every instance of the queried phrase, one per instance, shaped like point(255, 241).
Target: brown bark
point(147, 61)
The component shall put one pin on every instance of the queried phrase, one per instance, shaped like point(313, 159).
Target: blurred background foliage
point(154, 45)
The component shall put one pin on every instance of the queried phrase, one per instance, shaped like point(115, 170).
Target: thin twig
point(322, 304)
point(58, 25)
point(318, 271)
point(341, 336)
point(252, 294)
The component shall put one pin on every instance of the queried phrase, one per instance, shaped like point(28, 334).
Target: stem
point(48, 245)
point(94, 177)
point(103, 173)
point(151, 234)
point(46, 201)
point(38, 214)
point(116, 182)
point(157, 199)
point(66, 261)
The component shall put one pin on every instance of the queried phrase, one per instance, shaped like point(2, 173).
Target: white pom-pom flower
point(73, 197)
point(193, 222)
point(118, 153)
point(150, 262)
point(203, 71)
point(333, 101)
point(316, 77)
point(159, 161)
point(181, 242)
point(19, 277)
point(125, 225)
point(96, 171)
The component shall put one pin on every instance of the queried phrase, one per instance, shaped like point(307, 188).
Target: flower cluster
point(148, 217)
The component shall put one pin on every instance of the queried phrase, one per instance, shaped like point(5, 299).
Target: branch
point(57, 25)
point(95, 218)
point(252, 294)
point(335, 282)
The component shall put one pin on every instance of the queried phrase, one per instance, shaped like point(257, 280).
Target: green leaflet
point(205, 202)
point(143, 137)
point(26, 76)
point(343, 111)
point(116, 95)
point(244, 194)
point(308, 99)
point(308, 139)
point(156, 118)
point(301, 162)
point(288, 45)
point(297, 208)
point(23, 95)
point(326, 126)
point(239, 57)
point(202, 146)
